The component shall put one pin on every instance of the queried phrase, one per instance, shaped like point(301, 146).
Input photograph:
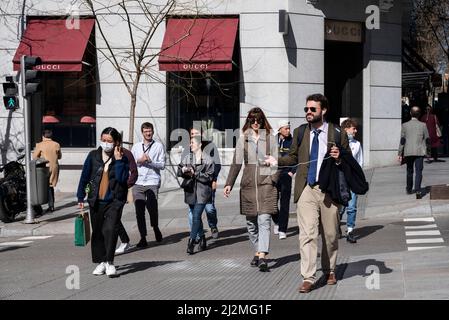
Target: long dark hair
point(261, 119)
point(113, 133)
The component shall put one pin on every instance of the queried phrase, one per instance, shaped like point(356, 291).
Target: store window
point(212, 98)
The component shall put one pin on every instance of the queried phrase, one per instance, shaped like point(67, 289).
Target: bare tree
point(141, 19)
point(431, 19)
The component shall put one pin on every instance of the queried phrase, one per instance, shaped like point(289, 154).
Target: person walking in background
point(431, 121)
point(258, 193)
point(350, 127)
point(104, 178)
point(211, 150)
point(413, 146)
point(150, 158)
point(197, 169)
point(51, 151)
point(316, 211)
point(133, 174)
point(284, 185)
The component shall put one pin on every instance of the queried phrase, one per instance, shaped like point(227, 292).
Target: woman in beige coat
point(51, 151)
point(258, 193)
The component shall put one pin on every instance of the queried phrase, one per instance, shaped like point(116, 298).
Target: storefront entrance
point(343, 76)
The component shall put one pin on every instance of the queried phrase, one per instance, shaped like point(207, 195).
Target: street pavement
point(401, 253)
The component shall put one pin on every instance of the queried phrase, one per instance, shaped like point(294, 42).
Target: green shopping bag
point(82, 229)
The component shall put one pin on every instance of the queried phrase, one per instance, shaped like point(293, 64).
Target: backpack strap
point(302, 129)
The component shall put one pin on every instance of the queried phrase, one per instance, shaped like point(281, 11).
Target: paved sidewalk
point(386, 198)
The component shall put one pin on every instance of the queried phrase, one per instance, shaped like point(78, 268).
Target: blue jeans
point(351, 211)
point(197, 225)
point(211, 213)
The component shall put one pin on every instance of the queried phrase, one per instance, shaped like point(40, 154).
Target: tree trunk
point(132, 112)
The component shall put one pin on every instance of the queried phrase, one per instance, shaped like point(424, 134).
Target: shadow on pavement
point(279, 262)
point(140, 266)
point(294, 231)
point(228, 237)
point(366, 231)
point(363, 268)
point(4, 249)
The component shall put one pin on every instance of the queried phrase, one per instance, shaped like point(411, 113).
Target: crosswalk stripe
point(419, 219)
point(423, 248)
point(15, 243)
point(35, 238)
point(425, 240)
point(423, 233)
point(427, 226)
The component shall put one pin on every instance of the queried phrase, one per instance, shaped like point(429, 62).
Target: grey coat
point(201, 192)
point(414, 139)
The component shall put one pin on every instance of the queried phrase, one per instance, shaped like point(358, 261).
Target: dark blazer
point(302, 154)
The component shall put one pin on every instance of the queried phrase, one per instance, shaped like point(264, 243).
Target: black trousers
point(151, 205)
point(123, 235)
point(418, 163)
point(284, 187)
point(104, 219)
point(51, 197)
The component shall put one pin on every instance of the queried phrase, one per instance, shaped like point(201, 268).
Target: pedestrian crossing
point(422, 233)
point(22, 241)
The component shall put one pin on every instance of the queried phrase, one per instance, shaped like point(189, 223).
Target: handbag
point(82, 229)
point(188, 184)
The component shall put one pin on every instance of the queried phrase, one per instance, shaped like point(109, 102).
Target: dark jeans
point(197, 224)
point(418, 163)
point(104, 219)
point(151, 204)
point(284, 187)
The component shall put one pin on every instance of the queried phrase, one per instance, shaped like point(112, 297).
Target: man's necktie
point(311, 175)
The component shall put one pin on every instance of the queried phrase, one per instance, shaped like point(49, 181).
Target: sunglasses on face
point(312, 109)
point(253, 120)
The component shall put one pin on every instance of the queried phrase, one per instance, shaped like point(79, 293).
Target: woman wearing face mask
point(104, 179)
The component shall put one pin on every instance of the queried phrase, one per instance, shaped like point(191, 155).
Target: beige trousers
point(316, 210)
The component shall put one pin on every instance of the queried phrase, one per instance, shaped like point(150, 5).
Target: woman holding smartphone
point(104, 180)
point(197, 169)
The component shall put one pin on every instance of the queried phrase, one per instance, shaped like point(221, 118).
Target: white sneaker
point(122, 248)
point(110, 270)
point(100, 269)
point(282, 235)
point(276, 229)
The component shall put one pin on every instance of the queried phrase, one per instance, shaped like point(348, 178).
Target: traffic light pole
point(26, 114)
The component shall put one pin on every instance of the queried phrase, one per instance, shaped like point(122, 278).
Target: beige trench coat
point(51, 151)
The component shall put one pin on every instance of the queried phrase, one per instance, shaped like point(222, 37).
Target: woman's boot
point(190, 246)
point(202, 243)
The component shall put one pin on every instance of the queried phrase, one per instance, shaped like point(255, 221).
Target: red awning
point(50, 119)
point(198, 44)
point(60, 46)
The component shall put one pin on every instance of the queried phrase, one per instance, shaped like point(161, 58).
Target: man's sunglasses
point(306, 109)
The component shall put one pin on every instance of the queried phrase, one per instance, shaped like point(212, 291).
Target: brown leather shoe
point(331, 279)
point(306, 287)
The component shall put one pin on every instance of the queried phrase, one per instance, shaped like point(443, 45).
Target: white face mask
point(106, 146)
point(350, 136)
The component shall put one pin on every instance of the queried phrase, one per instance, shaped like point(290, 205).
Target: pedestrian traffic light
point(31, 78)
point(11, 91)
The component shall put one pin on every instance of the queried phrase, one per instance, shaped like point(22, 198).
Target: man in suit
point(51, 151)
point(315, 209)
point(414, 145)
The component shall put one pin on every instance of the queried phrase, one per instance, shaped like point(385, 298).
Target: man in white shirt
point(150, 158)
point(350, 127)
